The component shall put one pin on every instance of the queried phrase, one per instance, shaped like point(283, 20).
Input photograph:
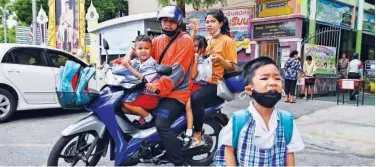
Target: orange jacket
point(179, 56)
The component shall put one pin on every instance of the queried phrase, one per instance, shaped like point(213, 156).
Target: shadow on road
point(45, 113)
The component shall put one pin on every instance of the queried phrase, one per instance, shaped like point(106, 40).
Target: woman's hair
point(202, 43)
point(293, 53)
point(143, 38)
point(253, 65)
point(309, 58)
point(218, 14)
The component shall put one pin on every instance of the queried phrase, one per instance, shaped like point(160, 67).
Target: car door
point(30, 73)
point(58, 59)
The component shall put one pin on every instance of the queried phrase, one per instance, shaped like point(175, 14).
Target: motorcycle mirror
point(105, 44)
point(164, 70)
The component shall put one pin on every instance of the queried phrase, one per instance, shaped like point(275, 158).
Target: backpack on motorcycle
point(83, 96)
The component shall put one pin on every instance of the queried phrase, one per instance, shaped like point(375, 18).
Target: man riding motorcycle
point(174, 89)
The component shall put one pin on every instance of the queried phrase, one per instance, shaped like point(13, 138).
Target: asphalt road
point(28, 139)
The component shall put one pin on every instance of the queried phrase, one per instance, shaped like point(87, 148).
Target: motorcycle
point(90, 138)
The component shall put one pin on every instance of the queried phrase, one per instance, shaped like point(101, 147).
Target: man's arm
point(182, 62)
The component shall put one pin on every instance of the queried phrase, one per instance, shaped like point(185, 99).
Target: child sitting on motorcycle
point(142, 67)
point(199, 74)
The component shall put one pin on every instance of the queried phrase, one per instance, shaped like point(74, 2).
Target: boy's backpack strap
point(239, 119)
point(288, 124)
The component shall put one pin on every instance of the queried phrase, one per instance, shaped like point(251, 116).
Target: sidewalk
point(337, 131)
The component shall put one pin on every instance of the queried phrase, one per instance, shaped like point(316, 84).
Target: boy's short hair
point(253, 65)
point(309, 58)
point(143, 38)
point(202, 43)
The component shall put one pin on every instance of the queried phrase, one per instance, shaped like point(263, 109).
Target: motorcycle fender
point(88, 123)
point(221, 118)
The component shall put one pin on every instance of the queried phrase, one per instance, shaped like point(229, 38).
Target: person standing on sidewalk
point(309, 69)
point(354, 71)
point(292, 69)
point(342, 66)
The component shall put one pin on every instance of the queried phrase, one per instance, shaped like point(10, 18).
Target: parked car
point(29, 76)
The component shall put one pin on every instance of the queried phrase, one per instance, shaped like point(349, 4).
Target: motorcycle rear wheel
point(65, 149)
point(210, 138)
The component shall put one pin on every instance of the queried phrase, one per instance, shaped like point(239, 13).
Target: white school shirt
point(264, 138)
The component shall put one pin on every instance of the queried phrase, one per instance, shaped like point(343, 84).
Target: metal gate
point(270, 49)
point(330, 36)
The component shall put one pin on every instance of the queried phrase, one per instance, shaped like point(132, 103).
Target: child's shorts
point(145, 101)
point(196, 87)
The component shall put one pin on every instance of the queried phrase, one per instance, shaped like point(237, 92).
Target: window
point(8, 58)
point(58, 58)
point(29, 56)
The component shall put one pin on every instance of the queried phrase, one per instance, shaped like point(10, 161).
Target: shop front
point(239, 22)
point(277, 37)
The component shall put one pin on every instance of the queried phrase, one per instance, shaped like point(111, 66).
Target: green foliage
point(109, 9)
point(23, 10)
point(11, 35)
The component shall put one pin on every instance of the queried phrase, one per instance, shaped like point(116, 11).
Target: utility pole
point(5, 24)
point(35, 25)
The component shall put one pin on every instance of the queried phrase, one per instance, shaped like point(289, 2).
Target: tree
point(109, 9)
point(11, 35)
point(2, 4)
point(197, 4)
point(23, 10)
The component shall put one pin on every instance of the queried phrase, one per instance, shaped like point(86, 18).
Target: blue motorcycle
point(108, 129)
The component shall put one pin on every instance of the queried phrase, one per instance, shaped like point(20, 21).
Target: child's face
point(266, 79)
point(197, 50)
point(143, 50)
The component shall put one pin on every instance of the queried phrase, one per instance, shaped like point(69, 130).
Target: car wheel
point(7, 105)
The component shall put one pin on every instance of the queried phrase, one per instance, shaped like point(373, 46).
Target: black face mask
point(268, 99)
point(169, 33)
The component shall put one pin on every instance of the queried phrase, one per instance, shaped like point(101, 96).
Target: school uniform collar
point(252, 110)
point(146, 62)
point(256, 116)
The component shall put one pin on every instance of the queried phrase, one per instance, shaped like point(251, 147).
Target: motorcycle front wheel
point(73, 150)
point(212, 129)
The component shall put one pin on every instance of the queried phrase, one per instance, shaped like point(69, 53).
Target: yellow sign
point(275, 8)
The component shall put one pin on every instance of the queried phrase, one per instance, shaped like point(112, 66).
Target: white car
point(29, 76)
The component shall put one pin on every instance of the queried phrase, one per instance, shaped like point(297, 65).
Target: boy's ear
point(248, 89)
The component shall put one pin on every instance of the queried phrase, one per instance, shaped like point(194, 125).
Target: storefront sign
point(284, 29)
point(239, 22)
point(369, 22)
point(333, 13)
point(276, 5)
point(370, 67)
point(323, 56)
